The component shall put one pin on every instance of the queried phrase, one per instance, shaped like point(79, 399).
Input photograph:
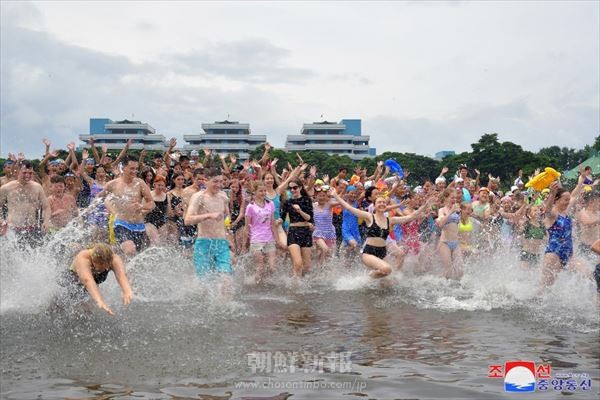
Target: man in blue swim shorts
point(208, 209)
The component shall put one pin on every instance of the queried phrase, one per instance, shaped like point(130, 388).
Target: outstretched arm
point(347, 206)
point(119, 270)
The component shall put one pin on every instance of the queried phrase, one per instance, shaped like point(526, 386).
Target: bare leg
point(259, 262)
point(379, 268)
point(306, 259)
point(550, 269)
point(296, 256)
point(152, 233)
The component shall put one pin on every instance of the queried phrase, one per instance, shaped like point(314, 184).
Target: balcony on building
point(115, 134)
point(225, 137)
point(335, 138)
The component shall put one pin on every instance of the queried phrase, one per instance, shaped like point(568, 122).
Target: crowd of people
point(220, 213)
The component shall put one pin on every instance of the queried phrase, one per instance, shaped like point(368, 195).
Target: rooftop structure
point(116, 134)
point(225, 137)
point(335, 138)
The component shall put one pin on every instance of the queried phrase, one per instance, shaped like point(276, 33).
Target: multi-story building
point(116, 134)
point(444, 153)
point(343, 138)
point(225, 137)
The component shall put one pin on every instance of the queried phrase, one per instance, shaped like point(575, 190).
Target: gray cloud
point(249, 60)
point(515, 121)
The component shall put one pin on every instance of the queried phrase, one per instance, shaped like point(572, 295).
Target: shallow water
point(418, 337)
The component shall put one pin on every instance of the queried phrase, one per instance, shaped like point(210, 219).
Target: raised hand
point(444, 170)
point(267, 146)
point(222, 156)
point(129, 142)
point(91, 141)
point(207, 152)
point(313, 171)
point(21, 157)
point(172, 142)
point(71, 146)
point(479, 173)
point(104, 148)
point(303, 167)
point(84, 154)
point(379, 163)
point(46, 142)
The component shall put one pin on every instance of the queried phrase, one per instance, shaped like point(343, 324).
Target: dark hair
point(301, 185)
point(183, 158)
point(559, 193)
point(590, 196)
point(144, 172)
point(57, 179)
point(212, 172)
point(128, 158)
point(26, 164)
point(343, 169)
point(158, 155)
point(198, 171)
point(587, 168)
point(369, 192)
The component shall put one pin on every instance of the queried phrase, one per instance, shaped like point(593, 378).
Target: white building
point(343, 138)
point(225, 137)
point(116, 134)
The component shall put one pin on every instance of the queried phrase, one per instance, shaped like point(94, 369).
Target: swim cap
point(319, 182)
point(350, 188)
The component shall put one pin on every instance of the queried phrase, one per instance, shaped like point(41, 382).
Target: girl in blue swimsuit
point(559, 205)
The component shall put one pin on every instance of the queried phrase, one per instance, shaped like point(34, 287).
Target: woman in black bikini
point(378, 229)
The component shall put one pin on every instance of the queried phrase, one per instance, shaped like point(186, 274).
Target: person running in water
point(559, 206)
point(378, 229)
point(208, 209)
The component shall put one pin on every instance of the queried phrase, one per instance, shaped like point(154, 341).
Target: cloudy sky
point(422, 76)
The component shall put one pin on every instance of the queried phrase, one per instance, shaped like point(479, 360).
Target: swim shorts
point(212, 255)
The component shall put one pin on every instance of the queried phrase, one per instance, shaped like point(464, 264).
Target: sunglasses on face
point(293, 187)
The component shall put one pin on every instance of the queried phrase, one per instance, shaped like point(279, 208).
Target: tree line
point(488, 155)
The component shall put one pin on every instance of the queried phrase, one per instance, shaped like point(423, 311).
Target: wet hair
point(26, 165)
point(198, 171)
point(102, 253)
point(591, 196)
point(183, 158)
point(57, 179)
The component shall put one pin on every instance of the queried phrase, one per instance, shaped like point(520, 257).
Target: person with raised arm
point(378, 229)
point(559, 206)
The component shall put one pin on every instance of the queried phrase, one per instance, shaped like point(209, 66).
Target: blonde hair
point(102, 253)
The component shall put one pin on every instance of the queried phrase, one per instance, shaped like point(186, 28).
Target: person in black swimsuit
point(157, 218)
point(90, 267)
point(378, 229)
point(299, 238)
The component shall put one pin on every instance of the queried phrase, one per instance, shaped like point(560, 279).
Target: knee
point(385, 269)
point(129, 249)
